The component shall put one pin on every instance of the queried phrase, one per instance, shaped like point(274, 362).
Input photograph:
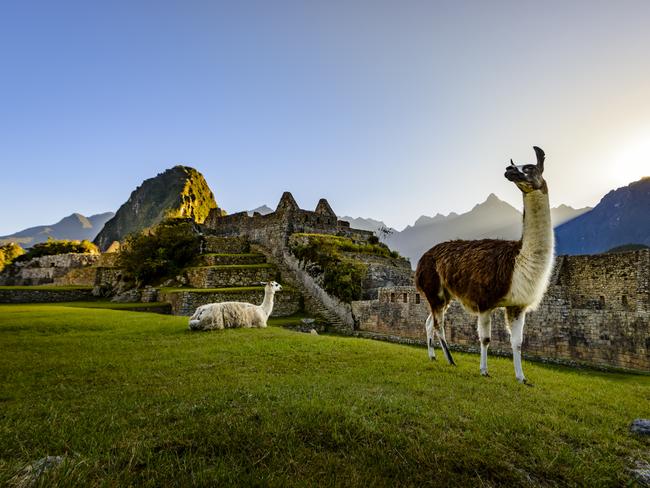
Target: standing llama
point(490, 273)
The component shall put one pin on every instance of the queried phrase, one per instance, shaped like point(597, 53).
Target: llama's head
point(195, 319)
point(528, 177)
point(272, 286)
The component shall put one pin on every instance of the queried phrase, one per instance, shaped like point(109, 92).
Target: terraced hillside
point(227, 270)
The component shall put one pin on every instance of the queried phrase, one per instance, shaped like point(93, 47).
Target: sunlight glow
point(633, 162)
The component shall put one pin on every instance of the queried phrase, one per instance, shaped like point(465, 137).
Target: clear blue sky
point(388, 109)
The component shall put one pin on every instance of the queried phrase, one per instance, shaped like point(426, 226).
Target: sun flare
point(633, 162)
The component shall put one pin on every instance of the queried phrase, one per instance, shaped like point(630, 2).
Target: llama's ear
point(511, 162)
point(263, 283)
point(540, 158)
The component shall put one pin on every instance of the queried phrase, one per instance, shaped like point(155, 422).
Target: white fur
point(484, 328)
point(429, 328)
point(226, 315)
point(534, 264)
point(516, 338)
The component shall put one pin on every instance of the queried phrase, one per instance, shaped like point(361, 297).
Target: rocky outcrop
point(177, 192)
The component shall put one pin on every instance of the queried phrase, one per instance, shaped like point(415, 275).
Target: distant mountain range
point(492, 218)
point(73, 227)
point(621, 217)
point(366, 224)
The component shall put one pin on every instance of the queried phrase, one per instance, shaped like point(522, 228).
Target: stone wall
point(229, 276)
point(45, 269)
point(185, 302)
point(78, 277)
point(225, 244)
point(596, 311)
point(44, 295)
point(383, 272)
point(218, 259)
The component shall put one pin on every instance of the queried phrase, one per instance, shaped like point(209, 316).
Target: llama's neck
point(534, 263)
point(267, 304)
point(537, 237)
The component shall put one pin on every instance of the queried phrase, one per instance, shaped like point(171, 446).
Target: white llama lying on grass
point(228, 315)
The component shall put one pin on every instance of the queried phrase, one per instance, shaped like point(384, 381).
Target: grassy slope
point(136, 399)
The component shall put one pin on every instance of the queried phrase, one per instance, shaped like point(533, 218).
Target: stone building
point(596, 311)
point(273, 230)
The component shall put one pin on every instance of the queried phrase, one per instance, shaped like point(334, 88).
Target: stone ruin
point(274, 229)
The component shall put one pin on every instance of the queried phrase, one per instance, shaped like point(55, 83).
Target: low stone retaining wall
point(555, 332)
point(230, 245)
point(185, 302)
point(44, 295)
point(78, 277)
point(46, 269)
point(217, 259)
point(229, 276)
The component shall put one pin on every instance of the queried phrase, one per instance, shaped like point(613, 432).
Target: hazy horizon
point(390, 110)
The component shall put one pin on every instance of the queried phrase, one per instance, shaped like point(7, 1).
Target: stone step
point(226, 245)
point(223, 276)
point(185, 301)
point(216, 259)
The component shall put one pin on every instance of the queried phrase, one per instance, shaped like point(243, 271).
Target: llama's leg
point(516, 318)
point(429, 327)
point(484, 331)
point(439, 320)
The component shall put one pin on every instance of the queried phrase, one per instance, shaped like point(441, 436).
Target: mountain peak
point(493, 202)
point(264, 210)
point(180, 191)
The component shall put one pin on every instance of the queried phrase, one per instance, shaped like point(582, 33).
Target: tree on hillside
point(8, 253)
point(160, 252)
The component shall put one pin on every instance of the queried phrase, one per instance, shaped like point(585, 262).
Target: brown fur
point(480, 282)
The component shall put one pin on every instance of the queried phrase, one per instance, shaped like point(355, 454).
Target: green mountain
point(177, 192)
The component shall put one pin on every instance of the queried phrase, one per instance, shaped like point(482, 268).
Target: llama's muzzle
point(513, 174)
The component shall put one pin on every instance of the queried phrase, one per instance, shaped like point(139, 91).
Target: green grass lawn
point(103, 303)
point(135, 399)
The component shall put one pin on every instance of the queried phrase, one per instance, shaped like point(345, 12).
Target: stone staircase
point(312, 304)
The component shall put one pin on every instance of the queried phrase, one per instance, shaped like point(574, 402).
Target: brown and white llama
point(491, 273)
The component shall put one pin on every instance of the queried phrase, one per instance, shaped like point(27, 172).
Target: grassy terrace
point(136, 399)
